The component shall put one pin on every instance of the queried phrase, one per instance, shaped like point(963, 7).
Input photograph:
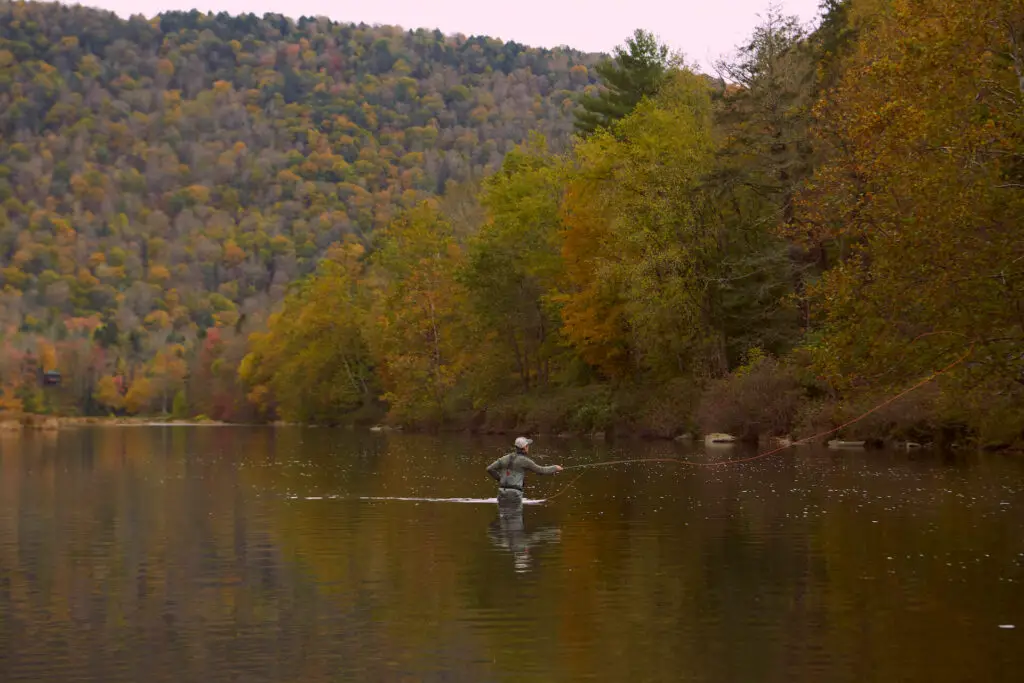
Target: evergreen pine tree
point(637, 71)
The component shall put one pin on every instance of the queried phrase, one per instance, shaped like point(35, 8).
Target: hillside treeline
point(775, 252)
point(772, 249)
point(163, 181)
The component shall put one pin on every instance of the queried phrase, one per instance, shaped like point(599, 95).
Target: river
point(278, 554)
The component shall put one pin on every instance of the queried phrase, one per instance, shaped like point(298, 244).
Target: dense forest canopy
point(256, 218)
point(162, 178)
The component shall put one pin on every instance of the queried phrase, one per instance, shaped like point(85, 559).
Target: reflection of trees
point(139, 555)
point(174, 554)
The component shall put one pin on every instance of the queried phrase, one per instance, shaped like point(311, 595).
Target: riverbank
point(14, 422)
point(770, 403)
point(600, 414)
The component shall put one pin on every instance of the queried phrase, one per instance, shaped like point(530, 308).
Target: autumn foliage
point(259, 219)
point(168, 179)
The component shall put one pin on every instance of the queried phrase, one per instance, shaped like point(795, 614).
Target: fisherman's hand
point(559, 468)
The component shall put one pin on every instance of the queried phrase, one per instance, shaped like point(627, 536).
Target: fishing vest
point(504, 483)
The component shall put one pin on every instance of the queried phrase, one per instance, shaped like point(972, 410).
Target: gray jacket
point(513, 477)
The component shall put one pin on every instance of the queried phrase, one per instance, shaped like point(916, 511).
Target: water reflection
point(508, 532)
point(272, 555)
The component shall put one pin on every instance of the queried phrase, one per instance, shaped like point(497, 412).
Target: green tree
point(657, 245)
point(637, 70)
point(764, 154)
point(179, 409)
point(511, 267)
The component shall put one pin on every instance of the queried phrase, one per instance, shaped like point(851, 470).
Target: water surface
point(239, 554)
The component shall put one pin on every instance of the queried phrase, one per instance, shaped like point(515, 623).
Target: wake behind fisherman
point(509, 471)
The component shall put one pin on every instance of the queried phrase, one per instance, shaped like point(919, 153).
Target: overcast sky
point(702, 29)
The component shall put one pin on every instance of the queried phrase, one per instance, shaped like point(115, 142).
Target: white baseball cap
point(523, 442)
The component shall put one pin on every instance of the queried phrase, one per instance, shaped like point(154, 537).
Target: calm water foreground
point(238, 554)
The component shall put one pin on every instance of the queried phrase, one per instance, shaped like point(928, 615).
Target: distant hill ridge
point(176, 173)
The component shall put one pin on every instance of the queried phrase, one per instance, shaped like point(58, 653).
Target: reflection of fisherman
point(508, 471)
point(508, 532)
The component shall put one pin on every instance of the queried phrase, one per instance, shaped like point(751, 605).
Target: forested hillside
point(250, 219)
point(772, 257)
point(164, 179)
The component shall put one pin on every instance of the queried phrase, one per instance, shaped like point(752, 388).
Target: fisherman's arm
point(494, 469)
point(529, 464)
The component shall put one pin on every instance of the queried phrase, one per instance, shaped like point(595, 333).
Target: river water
point(259, 554)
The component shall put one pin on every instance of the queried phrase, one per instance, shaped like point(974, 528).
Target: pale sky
point(702, 29)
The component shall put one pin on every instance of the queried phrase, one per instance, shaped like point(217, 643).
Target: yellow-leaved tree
point(920, 201)
point(418, 314)
point(313, 364)
point(637, 246)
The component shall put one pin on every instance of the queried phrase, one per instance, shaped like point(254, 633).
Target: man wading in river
point(508, 471)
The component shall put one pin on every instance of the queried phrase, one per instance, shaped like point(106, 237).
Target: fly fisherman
point(508, 471)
